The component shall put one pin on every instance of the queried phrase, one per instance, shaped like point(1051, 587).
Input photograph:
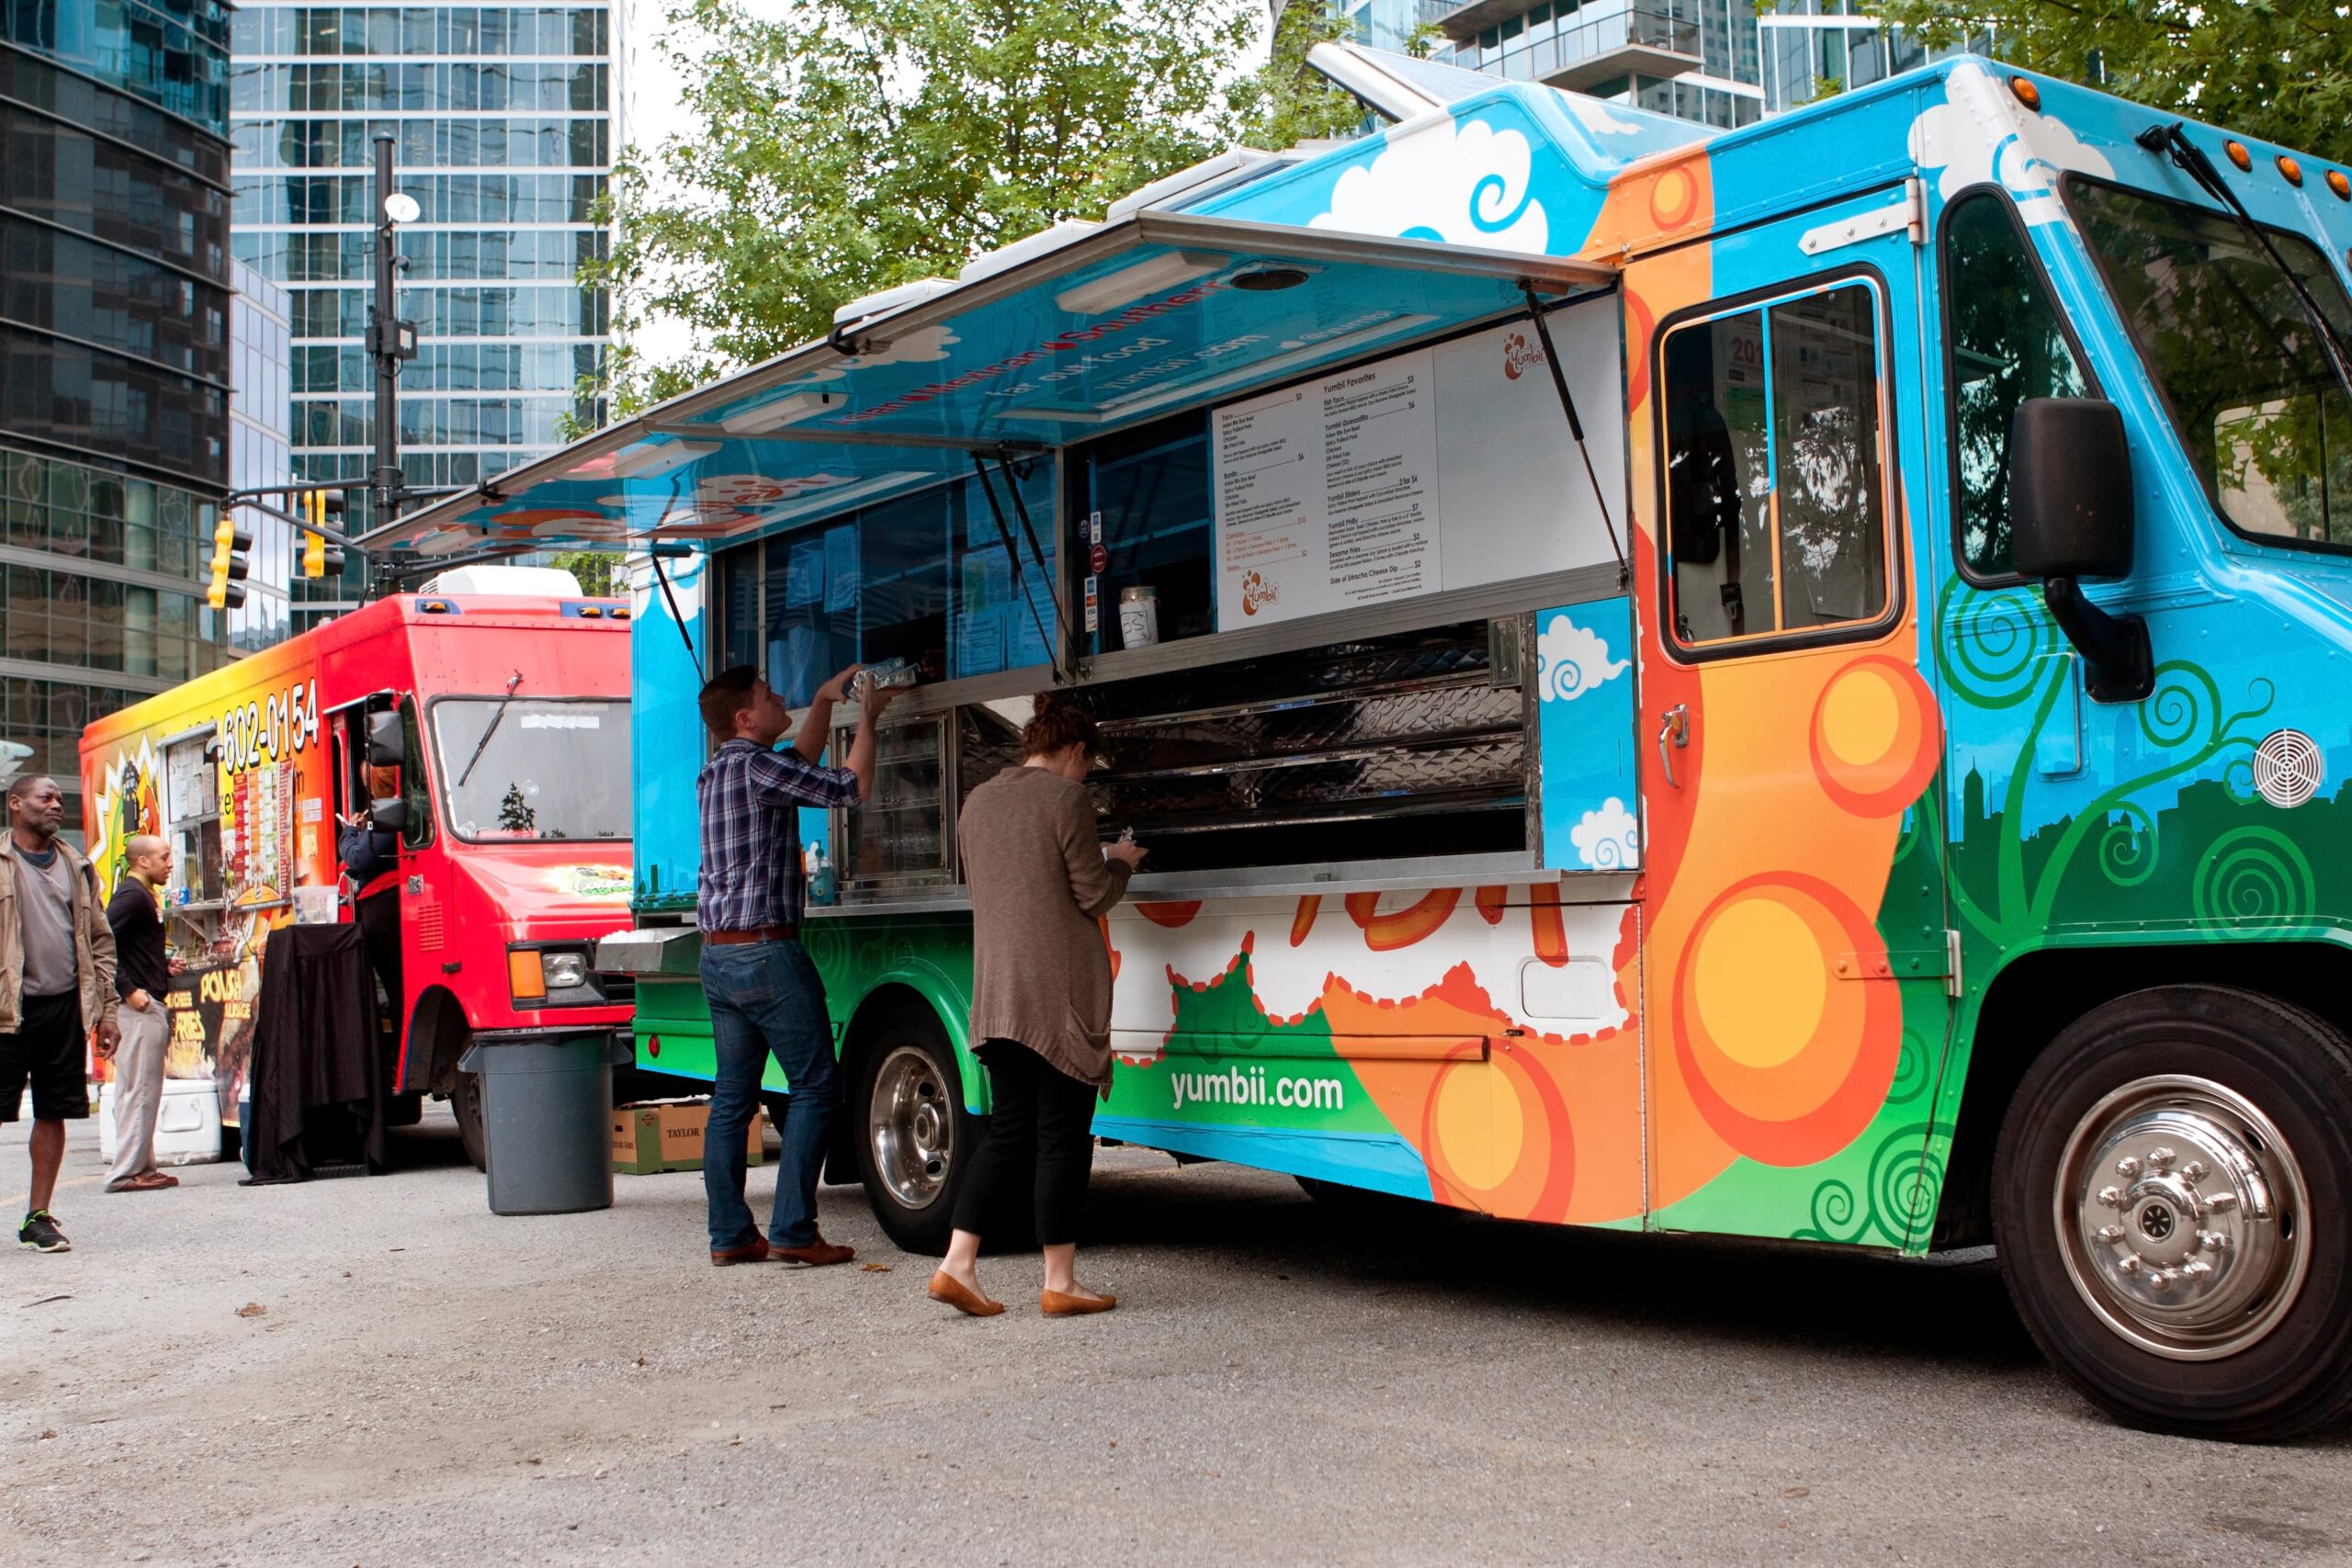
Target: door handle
point(1673, 729)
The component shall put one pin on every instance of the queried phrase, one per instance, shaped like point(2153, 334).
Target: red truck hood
point(568, 888)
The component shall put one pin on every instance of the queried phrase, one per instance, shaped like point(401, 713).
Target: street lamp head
point(401, 208)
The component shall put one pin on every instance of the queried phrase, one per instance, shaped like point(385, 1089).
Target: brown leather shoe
point(818, 1254)
point(753, 1251)
point(945, 1287)
point(1062, 1303)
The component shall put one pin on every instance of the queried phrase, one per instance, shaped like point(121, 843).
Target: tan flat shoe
point(1062, 1303)
point(945, 1287)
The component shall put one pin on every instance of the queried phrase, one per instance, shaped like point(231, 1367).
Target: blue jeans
point(765, 999)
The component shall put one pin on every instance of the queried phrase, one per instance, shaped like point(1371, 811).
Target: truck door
point(1796, 954)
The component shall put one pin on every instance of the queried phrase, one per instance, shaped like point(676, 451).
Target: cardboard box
point(667, 1135)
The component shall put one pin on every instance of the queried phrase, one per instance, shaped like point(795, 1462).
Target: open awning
point(1070, 334)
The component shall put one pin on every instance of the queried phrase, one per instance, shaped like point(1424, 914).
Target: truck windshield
point(552, 769)
point(2259, 405)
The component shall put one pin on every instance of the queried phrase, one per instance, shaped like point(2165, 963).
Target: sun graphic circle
point(1875, 735)
point(1673, 196)
point(1785, 1048)
point(1479, 1126)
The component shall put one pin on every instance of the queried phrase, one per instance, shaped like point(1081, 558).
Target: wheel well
point(883, 1007)
point(437, 1036)
point(2036, 995)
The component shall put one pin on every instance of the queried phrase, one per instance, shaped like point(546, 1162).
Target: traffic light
point(230, 544)
point(320, 558)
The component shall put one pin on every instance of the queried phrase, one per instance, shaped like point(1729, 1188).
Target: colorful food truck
point(489, 732)
point(1782, 683)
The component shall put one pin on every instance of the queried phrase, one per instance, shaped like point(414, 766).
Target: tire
point(915, 1140)
point(2170, 1206)
point(465, 1100)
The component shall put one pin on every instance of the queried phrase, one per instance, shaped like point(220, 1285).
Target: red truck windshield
point(542, 768)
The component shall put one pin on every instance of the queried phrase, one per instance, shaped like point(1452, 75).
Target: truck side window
point(419, 831)
point(2006, 346)
point(1776, 468)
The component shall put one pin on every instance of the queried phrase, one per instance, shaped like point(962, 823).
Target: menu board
point(1327, 493)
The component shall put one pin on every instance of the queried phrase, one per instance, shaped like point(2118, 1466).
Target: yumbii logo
point(1253, 1085)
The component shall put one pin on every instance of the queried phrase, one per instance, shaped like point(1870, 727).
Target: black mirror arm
point(2118, 666)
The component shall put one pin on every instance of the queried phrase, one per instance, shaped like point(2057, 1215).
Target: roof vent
point(516, 581)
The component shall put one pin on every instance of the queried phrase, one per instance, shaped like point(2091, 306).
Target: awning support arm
point(1012, 559)
point(1037, 551)
point(694, 660)
point(1535, 312)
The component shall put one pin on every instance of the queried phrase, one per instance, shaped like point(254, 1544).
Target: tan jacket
point(1041, 970)
point(93, 945)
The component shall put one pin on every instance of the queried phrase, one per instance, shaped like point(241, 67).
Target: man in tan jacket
point(56, 981)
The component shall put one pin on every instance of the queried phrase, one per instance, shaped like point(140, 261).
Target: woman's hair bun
point(1056, 723)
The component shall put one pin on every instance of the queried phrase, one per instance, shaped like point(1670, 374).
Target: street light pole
point(390, 339)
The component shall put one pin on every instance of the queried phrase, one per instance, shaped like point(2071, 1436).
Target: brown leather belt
point(762, 933)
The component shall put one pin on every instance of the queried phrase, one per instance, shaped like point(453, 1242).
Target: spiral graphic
point(2127, 850)
point(1832, 1211)
point(1905, 1177)
point(1992, 650)
point(1489, 194)
point(1610, 854)
point(2186, 705)
point(2252, 879)
point(1913, 1069)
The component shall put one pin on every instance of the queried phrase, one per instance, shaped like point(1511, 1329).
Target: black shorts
point(49, 1049)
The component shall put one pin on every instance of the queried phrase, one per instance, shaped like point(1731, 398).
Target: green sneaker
point(40, 1231)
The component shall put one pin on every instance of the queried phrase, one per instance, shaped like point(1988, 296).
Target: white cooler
point(188, 1123)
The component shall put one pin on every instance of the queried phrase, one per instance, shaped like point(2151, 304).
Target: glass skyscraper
point(114, 361)
point(505, 126)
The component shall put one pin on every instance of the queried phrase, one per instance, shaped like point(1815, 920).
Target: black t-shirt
point(141, 963)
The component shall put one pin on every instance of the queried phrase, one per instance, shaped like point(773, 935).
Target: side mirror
point(2070, 517)
point(386, 747)
point(389, 814)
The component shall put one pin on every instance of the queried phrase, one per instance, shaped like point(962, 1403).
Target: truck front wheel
point(465, 1100)
point(2170, 1205)
point(914, 1137)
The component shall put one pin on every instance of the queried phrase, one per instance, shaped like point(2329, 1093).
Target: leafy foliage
point(599, 571)
point(846, 146)
point(2281, 69)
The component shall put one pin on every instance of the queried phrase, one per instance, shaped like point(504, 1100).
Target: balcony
point(1632, 40)
point(1578, 47)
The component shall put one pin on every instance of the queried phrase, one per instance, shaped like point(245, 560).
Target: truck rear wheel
point(2170, 1194)
point(915, 1140)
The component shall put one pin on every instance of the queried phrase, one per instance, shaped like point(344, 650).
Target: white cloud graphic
point(1607, 839)
point(1572, 659)
point(1982, 134)
point(1594, 117)
point(1467, 185)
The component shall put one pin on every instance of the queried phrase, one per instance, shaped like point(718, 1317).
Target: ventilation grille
point(2287, 768)
point(428, 927)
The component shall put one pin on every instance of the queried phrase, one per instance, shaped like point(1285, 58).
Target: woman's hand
point(1125, 850)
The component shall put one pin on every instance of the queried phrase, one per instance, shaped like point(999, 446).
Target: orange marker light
point(525, 976)
point(2239, 155)
point(2341, 186)
point(2028, 94)
point(2293, 170)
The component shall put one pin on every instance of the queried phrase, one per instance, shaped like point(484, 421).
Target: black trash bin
point(546, 1123)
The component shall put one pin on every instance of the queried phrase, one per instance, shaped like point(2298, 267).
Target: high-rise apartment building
point(505, 124)
point(261, 454)
point(113, 360)
point(1720, 62)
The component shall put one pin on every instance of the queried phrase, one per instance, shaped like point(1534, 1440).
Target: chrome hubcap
point(2182, 1216)
point(912, 1126)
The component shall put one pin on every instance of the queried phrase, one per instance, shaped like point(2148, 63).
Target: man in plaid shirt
point(765, 999)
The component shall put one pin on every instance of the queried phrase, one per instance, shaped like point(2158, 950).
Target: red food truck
point(487, 732)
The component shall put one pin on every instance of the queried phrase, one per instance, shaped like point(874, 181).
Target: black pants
point(378, 917)
point(1041, 1133)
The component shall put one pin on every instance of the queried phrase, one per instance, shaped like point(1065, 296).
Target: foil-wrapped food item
point(893, 672)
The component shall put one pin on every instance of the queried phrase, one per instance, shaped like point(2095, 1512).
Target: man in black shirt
point(142, 978)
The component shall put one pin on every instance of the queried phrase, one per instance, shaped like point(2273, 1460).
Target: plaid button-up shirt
point(750, 799)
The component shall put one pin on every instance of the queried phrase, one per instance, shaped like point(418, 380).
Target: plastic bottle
point(824, 883)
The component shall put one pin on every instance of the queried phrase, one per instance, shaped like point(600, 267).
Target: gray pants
point(139, 1086)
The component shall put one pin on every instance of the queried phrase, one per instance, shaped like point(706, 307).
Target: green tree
point(599, 571)
point(850, 145)
point(2281, 69)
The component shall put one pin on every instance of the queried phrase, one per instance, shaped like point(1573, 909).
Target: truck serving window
point(1776, 468)
point(2264, 420)
point(2006, 344)
point(529, 769)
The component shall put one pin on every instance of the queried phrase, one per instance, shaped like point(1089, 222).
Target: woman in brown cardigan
point(1041, 878)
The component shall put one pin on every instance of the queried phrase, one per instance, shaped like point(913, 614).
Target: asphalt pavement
point(380, 1372)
